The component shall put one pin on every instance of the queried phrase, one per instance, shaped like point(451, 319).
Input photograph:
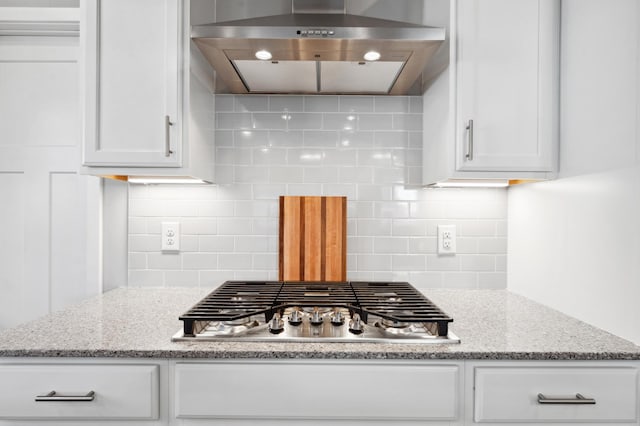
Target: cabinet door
point(507, 85)
point(131, 58)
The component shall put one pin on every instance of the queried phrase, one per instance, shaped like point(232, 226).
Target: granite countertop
point(139, 323)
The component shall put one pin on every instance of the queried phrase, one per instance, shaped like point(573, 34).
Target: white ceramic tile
point(466, 245)
point(304, 121)
point(164, 260)
point(269, 120)
point(285, 138)
point(234, 226)
point(374, 262)
point(415, 104)
point(235, 192)
point(286, 103)
point(199, 226)
point(223, 174)
point(250, 138)
point(265, 226)
point(250, 174)
point(356, 103)
point(391, 245)
point(265, 261)
point(357, 175)
point(360, 209)
point(235, 261)
point(268, 191)
point(144, 243)
point(492, 245)
point(249, 103)
point(137, 260)
point(409, 228)
point(360, 245)
point(395, 139)
point(374, 193)
point(199, 261)
point(217, 243)
point(137, 225)
point(391, 209)
point(425, 280)
point(407, 122)
point(213, 279)
point(339, 189)
point(460, 280)
point(380, 157)
point(492, 280)
point(403, 193)
point(376, 122)
point(320, 103)
point(428, 210)
point(216, 208)
point(321, 175)
point(305, 156)
point(408, 262)
point(286, 175)
point(391, 104)
point(145, 207)
point(223, 138)
point(304, 189)
point(180, 208)
point(443, 263)
point(390, 175)
point(477, 228)
point(181, 278)
point(146, 278)
point(477, 263)
point(256, 208)
point(340, 157)
point(374, 227)
point(234, 120)
point(224, 102)
point(415, 140)
point(251, 244)
point(501, 263)
point(321, 138)
point(340, 121)
point(356, 139)
point(189, 243)
point(423, 245)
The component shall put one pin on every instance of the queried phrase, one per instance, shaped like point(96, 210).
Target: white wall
point(49, 256)
point(367, 148)
point(574, 243)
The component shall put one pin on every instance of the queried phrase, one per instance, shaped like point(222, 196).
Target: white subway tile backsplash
point(368, 148)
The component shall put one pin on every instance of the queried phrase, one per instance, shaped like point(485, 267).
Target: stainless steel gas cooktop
point(354, 311)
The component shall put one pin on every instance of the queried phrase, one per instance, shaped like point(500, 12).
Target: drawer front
point(120, 391)
point(511, 394)
point(316, 391)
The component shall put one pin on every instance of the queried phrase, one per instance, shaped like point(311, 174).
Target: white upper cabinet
point(498, 100)
point(133, 58)
point(144, 109)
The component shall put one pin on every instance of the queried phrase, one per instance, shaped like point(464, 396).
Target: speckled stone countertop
point(139, 323)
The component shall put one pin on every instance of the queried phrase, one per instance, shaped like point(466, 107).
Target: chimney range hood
point(318, 53)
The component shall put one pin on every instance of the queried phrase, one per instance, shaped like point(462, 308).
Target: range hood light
point(264, 55)
point(371, 55)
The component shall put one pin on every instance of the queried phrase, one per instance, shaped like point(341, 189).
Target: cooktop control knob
point(356, 326)
point(296, 317)
point(337, 318)
point(316, 317)
point(276, 325)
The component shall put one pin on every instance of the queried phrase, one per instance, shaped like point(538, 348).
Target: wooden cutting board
point(313, 239)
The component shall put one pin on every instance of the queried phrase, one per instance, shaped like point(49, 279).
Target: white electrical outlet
point(446, 239)
point(171, 236)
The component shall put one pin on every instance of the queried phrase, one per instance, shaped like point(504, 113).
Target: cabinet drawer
point(120, 391)
point(316, 391)
point(511, 394)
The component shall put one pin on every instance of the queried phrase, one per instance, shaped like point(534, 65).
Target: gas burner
point(355, 311)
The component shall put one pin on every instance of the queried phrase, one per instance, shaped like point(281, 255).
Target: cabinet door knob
point(167, 136)
point(53, 396)
point(469, 155)
point(578, 400)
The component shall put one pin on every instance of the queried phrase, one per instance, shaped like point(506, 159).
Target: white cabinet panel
point(132, 83)
point(120, 391)
point(285, 390)
point(511, 394)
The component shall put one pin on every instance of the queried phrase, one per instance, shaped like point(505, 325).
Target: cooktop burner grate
point(397, 303)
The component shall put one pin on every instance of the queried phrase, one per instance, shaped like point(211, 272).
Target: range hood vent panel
point(356, 77)
point(280, 77)
point(318, 38)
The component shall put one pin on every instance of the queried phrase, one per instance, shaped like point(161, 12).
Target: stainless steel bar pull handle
point(469, 128)
point(53, 396)
point(167, 136)
point(578, 400)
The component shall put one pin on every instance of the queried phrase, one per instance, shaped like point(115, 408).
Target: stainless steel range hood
point(318, 53)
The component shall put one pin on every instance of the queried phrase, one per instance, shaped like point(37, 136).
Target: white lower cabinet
point(553, 393)
point(318, 392)
point(53, 392)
